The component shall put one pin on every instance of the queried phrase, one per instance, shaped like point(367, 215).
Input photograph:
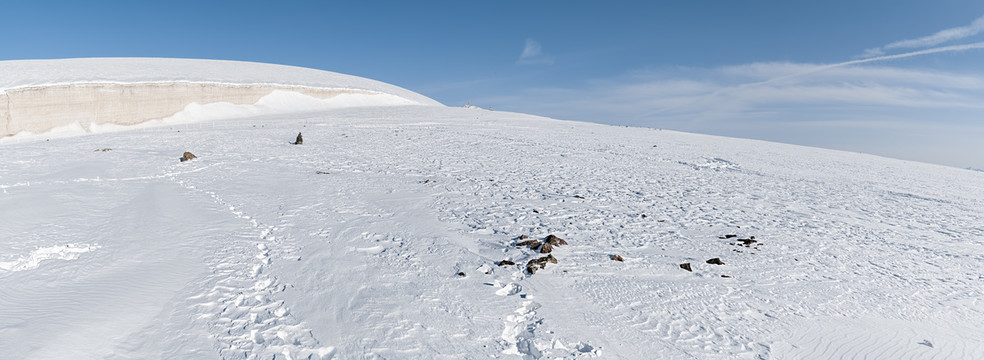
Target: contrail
point(964, 47)
point(951, 48)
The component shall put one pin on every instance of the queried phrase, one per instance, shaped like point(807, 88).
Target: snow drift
point(38, 96)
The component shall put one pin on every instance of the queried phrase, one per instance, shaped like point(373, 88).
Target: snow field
point(350, 245)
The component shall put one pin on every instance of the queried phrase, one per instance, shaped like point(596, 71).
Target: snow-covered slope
point(380, 237)
point(40, 96)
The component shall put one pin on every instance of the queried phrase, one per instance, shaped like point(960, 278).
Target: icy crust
point(30, 73)
point(34, 259)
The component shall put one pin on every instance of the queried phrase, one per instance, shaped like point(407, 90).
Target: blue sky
point(771, 70)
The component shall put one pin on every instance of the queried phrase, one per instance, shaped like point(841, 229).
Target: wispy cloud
point(724, 94)
point(533, 54)
point(940, 37)
point(850, 106)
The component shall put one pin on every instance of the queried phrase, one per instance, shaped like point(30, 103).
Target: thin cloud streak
point(942, 36)
point(823, 68)
point(951, 48)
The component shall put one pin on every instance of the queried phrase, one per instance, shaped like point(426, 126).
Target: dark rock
point(535, 211)
point(546, 248)
point(462, 274)
point(103, 149)
point(540, 263)
point(533, 244)
point(505, 262)
point(686, 266)
point(555, 241)
point(747, 242)
point(715, 261)
point(319, 172)
point(617, 257)
point(643, 216)
point(726, 276)
point(523, 237)
point(187, 156)
point(579, 196)
point(727, 236)
point(299, 141)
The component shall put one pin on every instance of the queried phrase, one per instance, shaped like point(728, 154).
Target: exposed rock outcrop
point(539, 263)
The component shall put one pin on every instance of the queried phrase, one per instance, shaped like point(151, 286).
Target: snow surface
point(350, 245)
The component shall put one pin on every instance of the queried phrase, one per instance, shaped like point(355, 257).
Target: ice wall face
point(37, 96)
point(40, 109)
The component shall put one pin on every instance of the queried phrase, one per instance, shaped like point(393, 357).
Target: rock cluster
point(544, 247)
point(750, 242)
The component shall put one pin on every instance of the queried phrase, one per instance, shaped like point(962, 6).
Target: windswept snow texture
point(379, 238)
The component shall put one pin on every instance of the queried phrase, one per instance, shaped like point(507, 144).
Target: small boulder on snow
point(187, 156)
point(540, 263)
point(686, 266)
point(715, 261)
point(299, 140)
point(555, 241)
point(533, 244)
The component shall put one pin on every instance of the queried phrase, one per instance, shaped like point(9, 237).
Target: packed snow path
point(350, 245)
